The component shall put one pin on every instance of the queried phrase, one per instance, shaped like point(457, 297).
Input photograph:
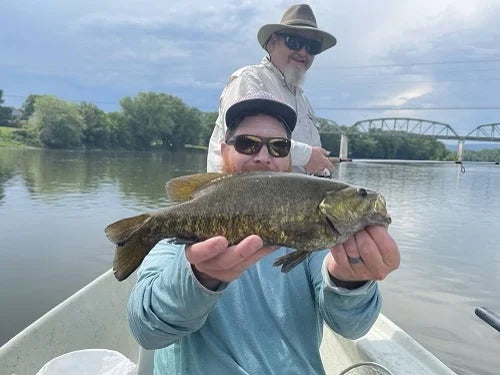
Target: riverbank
point(6, 139)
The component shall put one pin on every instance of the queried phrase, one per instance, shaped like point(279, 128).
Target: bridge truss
point(486, 132)
point(412, 126)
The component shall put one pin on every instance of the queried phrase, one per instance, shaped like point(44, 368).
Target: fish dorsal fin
point(182, 188)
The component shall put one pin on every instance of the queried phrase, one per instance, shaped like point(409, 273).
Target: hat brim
point(255, 106)
point(265, 32)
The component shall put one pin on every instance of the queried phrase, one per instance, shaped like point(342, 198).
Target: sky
point(436, 60)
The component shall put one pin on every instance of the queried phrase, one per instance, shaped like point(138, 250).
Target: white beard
point(294, 76)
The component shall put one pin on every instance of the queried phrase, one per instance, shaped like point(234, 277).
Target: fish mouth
point(388, 219)
point(380, 205)
point(332, 228)
point(381, 210)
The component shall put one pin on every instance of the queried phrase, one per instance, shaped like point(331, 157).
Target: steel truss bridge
point(427, 128)
point(419, 128)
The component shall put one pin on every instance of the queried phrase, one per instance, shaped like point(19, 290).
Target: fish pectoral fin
point(181, 189)
point(289, 261)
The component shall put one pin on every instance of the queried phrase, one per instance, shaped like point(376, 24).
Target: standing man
point(291, 45)
point(211, 308)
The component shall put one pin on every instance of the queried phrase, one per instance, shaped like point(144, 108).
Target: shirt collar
point(269, 65)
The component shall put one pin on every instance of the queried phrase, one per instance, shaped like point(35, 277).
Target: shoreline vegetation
point(6, 139)
point(152, 121)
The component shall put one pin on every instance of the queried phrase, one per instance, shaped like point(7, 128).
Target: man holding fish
point(217, 304)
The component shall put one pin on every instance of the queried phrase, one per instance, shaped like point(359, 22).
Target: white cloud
point(403, 97)
point(106, 47)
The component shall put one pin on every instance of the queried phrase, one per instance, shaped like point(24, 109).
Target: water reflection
point(49, 174)
point(5, 175)
point(54, 206)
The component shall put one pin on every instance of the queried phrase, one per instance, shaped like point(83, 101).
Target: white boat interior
point(95, 317)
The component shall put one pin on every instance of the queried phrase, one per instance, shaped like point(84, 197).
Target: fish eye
point(362, 192)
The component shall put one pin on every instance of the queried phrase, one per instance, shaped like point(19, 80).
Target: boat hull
point(95, 317)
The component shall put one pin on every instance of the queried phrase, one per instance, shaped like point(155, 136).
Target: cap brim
point(267, 106)
point(327, 39)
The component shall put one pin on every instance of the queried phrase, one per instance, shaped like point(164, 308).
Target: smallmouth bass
point(293, 210)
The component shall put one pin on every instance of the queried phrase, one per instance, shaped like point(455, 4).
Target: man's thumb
point(325, 152)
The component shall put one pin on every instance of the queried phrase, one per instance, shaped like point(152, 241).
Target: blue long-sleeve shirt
point(265, 322)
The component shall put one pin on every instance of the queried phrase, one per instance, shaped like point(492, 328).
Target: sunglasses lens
point(314, 47)
point(251, 145)
point(295, 43)
point(279, 147)
point(247, 144)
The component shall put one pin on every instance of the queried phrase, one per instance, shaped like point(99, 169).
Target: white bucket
point(89, 362)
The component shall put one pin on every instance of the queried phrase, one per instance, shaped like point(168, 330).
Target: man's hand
point(213, 261)
point(318, 161)
point(370, 254)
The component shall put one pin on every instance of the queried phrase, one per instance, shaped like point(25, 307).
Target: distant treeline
point(150, 119)
point(380, 144)
point(153, 119)
point(483, 155)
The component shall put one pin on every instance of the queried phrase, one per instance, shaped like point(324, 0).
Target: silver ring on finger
point(355, 260)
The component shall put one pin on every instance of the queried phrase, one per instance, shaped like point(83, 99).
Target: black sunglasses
point(295, 43)
point(251, 144)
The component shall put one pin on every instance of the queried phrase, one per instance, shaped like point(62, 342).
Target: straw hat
point(297, 17)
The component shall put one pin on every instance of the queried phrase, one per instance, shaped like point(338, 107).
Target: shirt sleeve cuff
point(330, 284)
point(301, 153)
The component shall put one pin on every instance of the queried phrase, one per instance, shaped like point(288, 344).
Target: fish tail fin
point(131, 249)
point(289, 261)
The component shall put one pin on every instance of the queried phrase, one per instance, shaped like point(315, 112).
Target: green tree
point(58, 122)
point(379, 144)
point(5, 112)
point(153, 118)
point(141, 116)
point(28, 106)
point(330, 133)
point(364, 147)
point(187, 128)
point(326, 126)
point(119, 135)
point(207, 126)
point(331, 142)
point(96, 133)
point(491, 155)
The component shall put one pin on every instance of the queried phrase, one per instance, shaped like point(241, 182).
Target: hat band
point(295, 23)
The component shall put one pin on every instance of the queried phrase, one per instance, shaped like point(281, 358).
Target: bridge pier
point(344, 148)
point(460, 151)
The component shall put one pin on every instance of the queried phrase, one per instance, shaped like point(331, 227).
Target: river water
point(54, 206)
